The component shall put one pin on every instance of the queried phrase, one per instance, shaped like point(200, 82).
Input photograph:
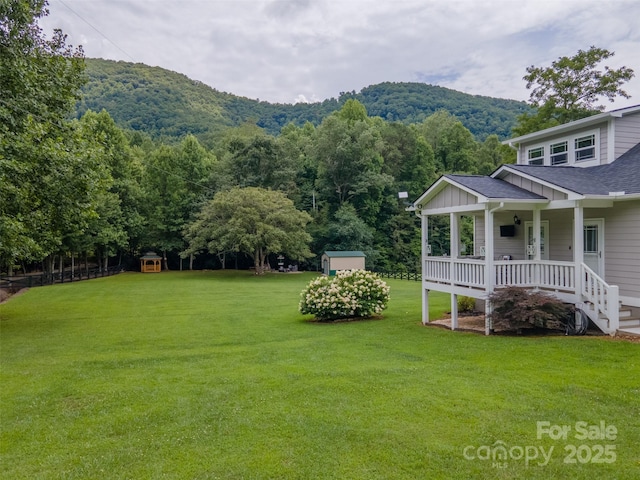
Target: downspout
point(495, 209)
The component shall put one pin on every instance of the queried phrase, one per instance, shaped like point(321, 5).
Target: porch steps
point(628, 323)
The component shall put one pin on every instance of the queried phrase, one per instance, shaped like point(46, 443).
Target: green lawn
point(203, 375)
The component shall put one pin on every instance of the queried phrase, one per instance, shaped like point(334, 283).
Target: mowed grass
point(203, 375)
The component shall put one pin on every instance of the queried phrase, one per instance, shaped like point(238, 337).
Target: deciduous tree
point(175, 179)
point(253, 221)
point(571, 88)
point(40, 80)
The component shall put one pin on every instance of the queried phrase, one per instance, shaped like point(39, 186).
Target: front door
point(594, 245)
point(544, 235)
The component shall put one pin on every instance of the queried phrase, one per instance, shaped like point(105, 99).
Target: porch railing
point(553, 275)
point(603, 298)
point(545, 274)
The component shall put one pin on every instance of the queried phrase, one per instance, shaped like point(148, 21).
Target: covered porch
point(530, 242)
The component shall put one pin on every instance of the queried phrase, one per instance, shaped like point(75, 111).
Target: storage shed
point(332, 261)
point(150, 262)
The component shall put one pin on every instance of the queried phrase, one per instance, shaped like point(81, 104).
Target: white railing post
point(614, 308)
point(604, 297)
point(454, 244)
point(578, 247)
point(425, 306)
point(537, 253)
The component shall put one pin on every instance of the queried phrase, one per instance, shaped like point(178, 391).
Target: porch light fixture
point(516, 220)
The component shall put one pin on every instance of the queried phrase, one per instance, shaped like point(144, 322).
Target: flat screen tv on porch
point(507, 230)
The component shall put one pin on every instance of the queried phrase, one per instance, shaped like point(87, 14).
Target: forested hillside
point(150, 159)
point(151, 148)
point(165, 104)
point(152, 154)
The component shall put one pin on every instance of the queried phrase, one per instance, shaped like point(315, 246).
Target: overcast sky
point(310, 50)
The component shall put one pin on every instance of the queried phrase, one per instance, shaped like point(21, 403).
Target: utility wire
point(42, 119)
point(96, 29)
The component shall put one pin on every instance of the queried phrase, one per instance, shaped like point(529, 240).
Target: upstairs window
point(559, 153)
point(580, 149)
point(585, 148)
point(536, 156)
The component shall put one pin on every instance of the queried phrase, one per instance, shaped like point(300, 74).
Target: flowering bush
point(351, 293)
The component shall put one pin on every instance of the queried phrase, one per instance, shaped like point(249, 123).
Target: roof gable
point(478, 189)
point(495, 188)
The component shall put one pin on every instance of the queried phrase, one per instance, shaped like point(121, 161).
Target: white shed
point(332, 261)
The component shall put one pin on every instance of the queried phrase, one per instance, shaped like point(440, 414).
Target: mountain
point(167, 104)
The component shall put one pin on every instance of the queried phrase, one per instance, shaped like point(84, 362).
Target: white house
point(564, 219)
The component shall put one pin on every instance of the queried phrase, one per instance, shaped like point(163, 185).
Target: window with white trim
point(578, 149)
point(559, 153)
point(536, 156)
point(585, 148)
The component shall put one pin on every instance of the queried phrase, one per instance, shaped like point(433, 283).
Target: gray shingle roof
point(623, 175)
point(576, 179)
point(493, 187)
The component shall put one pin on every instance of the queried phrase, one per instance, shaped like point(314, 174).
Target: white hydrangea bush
point(349, 294)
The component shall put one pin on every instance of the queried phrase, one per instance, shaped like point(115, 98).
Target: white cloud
point(289, 50)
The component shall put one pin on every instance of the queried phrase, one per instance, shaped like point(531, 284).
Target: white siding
point(604, 144)
point(560, 241)
point(627, 133)
point(513, 246)
point(560, 234)
point(621, 245)
point(478, 234)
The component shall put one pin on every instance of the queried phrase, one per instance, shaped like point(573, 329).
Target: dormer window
point(559, 153)
point(585, 148)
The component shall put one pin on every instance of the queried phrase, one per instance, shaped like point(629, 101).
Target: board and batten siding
point(627, 132)
point(535, 187)
point(621, 245)
point(451, 196)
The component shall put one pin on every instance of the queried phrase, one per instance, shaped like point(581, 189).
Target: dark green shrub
point(466, 304)
point(519, 307)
